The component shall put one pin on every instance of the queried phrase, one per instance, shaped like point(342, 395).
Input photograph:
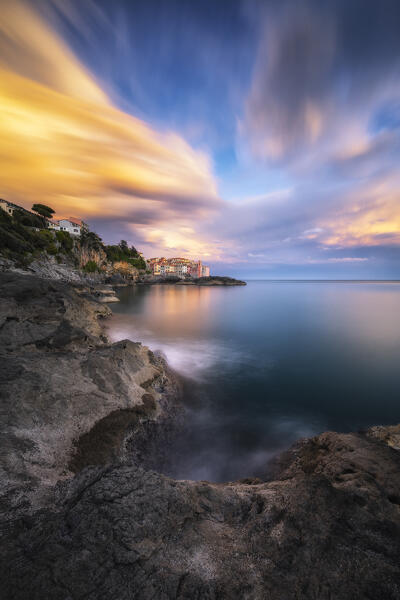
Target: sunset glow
point(180, 149)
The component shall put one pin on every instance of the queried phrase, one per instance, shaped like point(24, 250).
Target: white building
point(6, 206)
point(54, 225)
point(72, 225)
point(166, 269)
point(9, 207)
point(181, 269)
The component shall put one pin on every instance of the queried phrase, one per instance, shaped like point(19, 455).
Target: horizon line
point(329, 280)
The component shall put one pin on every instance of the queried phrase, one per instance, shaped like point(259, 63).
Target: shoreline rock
point(61, 376)
point(48, 268)
point(86, 515)
point(214, 280)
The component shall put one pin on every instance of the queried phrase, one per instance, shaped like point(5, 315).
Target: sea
point(268, 363)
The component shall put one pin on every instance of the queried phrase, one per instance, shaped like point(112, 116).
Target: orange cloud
point(62, 142)
point(371, 218)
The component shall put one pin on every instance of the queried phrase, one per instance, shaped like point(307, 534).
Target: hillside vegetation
point(25, 236)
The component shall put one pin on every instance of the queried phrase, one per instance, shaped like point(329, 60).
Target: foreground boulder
point(327, 527)
point(80, 519)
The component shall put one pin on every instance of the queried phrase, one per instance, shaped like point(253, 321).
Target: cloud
point(367, 215)
point(321, 121)
point(323, 108)
point(63, 143)
point(350, 224)
point(322, 71)
point(29, 48)
point(343, 259)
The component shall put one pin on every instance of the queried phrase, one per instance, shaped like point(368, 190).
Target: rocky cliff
point(82, 519)
point(59, 377)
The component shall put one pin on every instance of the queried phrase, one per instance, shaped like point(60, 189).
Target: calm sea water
point(269, 363)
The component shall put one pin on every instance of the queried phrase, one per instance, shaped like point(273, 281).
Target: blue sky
point(263, 137)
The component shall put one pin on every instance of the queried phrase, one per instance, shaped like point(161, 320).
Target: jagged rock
point(327, 527)
point(86, 254)
point(81, 519)
point(59, 377)
point(390, 435)
point(105, 293)
point(126, 270)
point(116, 280)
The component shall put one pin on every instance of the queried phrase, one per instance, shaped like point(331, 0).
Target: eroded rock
point(84, 517)
point(328, 527)
point(60, 376)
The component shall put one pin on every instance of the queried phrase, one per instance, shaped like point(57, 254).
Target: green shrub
point(65, 240)
point(90, 267)
point(13, 242)
point(91, 240)
point(29, 220)
point(52, 249)
point(39, 242)
point(139, 263)
point(122, 252)
point(47, 235)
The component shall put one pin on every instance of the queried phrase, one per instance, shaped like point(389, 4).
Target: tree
point(124, 247)
point(91, 240)
point(28, 219)
point(43, 210)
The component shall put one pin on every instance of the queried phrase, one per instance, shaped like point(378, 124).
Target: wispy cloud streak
point(62, 141)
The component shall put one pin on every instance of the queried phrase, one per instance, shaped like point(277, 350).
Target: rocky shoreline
point(85, 514)
point(49, 268)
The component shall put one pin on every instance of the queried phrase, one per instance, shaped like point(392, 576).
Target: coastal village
point(180, 267)
point(164, 267)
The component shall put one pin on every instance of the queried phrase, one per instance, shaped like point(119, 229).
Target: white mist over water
point(268, 364)
point(191, 358)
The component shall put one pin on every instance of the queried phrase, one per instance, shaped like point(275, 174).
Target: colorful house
point(181, 267)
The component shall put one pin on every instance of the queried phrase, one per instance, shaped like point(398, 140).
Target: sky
point(260, 136)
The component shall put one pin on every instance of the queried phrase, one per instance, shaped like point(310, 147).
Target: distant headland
point(66, 249)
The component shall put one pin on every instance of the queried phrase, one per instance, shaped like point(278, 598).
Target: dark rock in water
point(116, 280)
point(153, 279)
point(84, 515)
point(173, 279)
point(216, 280)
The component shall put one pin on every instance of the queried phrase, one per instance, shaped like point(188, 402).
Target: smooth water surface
point(269, 363)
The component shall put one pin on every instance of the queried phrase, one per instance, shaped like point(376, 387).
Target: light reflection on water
point(269, 363)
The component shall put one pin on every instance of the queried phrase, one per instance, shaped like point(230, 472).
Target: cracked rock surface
point(59, 377)
point(325, 526)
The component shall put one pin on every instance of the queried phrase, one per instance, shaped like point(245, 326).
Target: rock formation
point(81, 519)
point(59, 377)
point(216, 280)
